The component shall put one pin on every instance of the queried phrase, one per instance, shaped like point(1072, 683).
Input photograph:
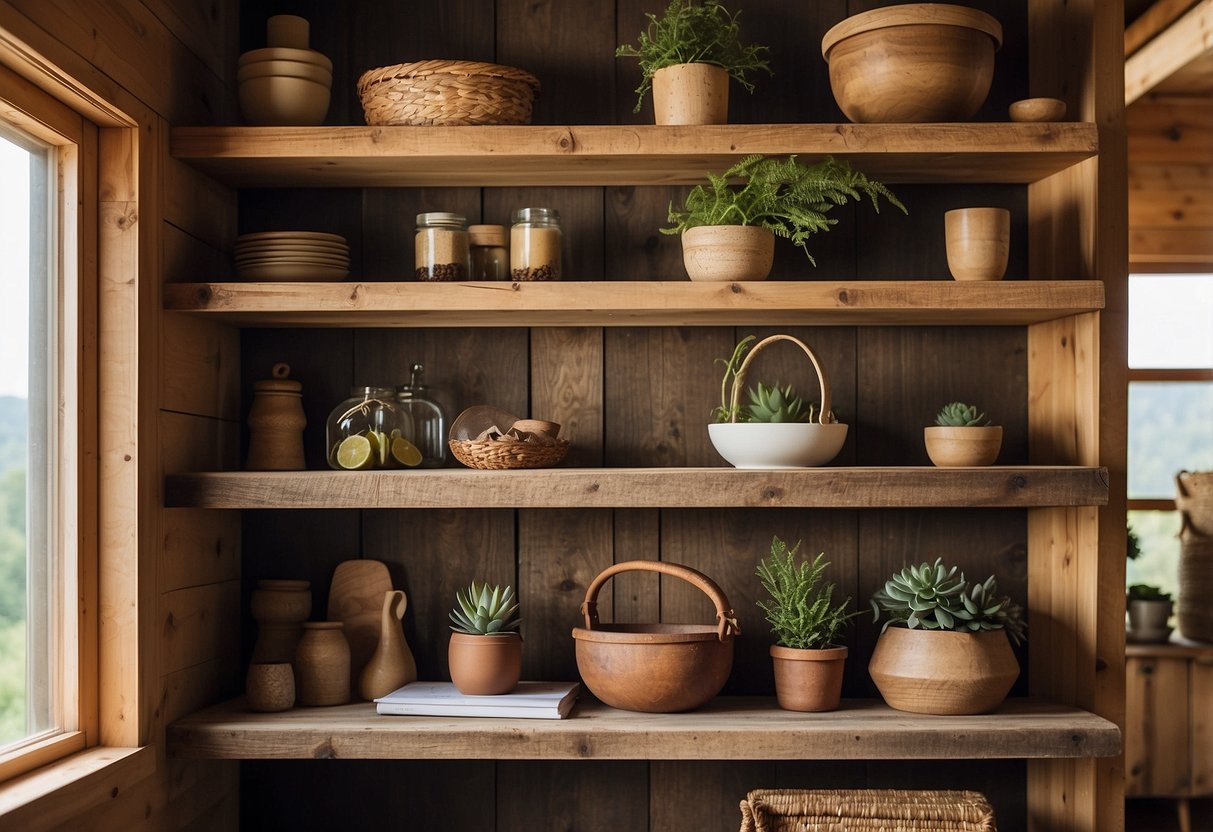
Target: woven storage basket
point(502, 454)
point(865, 810)
point(447, 92)
point(1194, 499)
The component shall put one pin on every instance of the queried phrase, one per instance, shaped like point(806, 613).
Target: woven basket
point(865, 810)
point(447, 92)
point(1194, 499)
point(503, 454)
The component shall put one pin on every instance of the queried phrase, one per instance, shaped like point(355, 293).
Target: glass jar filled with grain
point(442, 247)
point(490, 258)
point(535, 241)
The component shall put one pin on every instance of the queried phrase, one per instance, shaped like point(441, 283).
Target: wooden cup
point(978, 241)
point(691, 94)
point(270, 687)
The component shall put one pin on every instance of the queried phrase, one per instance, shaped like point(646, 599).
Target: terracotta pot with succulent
point(776, 429)
point(962, 437)
point(485, 652)
point(945, 648)
point(806, 621)
point(728, 230)
point(1149, 611)
point(687, 57)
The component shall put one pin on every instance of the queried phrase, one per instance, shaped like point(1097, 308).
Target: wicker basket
point(447, 92)
point(503, 454)
point(1194, 499)
point(865, 810)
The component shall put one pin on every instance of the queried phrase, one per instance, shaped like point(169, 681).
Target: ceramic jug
point(392, 665)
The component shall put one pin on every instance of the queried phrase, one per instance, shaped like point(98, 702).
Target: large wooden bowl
point(920, 62)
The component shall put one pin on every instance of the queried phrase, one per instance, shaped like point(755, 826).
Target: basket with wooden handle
point(656, 668)
point(447, 92)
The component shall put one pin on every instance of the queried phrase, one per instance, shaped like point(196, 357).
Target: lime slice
point(354, 453)
point(405, 452)
point(379, 447)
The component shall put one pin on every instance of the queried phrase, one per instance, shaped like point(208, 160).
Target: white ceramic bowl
point(292, 69)
point(780, 445)
point(279, 101)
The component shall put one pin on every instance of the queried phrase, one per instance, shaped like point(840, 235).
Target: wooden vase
point(808, 680)
point(960, 447)
point(276, 422)
point(977, 242)
point(691, 94)
point(279, 608)
point(270, 687)
point(322, 665)
point(727, 253)
point(485, 665)
point(392, 664)
point(943, 672)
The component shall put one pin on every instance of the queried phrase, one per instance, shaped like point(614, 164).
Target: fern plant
point(801, 612)
point(782, 195)
point(690, 34)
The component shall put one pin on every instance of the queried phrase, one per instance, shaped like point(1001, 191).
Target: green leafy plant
point(767, 404)
point(782, 195)
point(960, 415)
point(931, 596)
point(1147, 592)
point(1133, 544)
point(483, 611)
point(690, 34)
point(801, 612)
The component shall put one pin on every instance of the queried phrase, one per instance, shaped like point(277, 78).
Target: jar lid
point(535, 215)
point(279, 383)
point(486, 235)
point(442, 219)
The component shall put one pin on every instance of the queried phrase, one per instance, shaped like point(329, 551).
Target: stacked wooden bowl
point(285, 84)
point(286, 256)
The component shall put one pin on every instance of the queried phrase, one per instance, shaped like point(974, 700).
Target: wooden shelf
point(267, 157)
point(632, 303)
point(728, 728)
point(995, 487)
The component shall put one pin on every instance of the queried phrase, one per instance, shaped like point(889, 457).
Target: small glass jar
point(490, 257)
point(535, 242)
point(442, 247)
point(370, 413)
point(426, 419)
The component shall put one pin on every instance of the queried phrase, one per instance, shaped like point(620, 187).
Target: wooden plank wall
point(632, 396)
point(169, 62)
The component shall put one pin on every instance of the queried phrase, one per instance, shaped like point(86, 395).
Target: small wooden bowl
point(543, 426)
point(1038, 109)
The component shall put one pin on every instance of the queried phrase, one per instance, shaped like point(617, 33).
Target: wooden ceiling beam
point(1188, 39)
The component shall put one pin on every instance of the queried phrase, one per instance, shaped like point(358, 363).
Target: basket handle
point(726, 619)
point(826, 416)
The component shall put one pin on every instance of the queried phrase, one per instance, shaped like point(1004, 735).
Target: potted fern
point(775, 429)
point(961, 436)
point(687, 57)
point(485, 653)
point(945, 648)
point(728, 230)
point(806, 622)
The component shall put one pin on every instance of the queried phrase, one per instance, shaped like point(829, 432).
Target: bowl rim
point(285, 53)
point(937, 14)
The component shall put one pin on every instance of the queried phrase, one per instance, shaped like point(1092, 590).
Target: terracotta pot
point(276, 422)
point(728, 252)
point(691, 94)
point(279, 608)
point(270, 687)
point(392, 664)
point(808, 680)
point(485, 665)
point(943, 672)
point(959, 447)
point(322, 665)
point(977, 242)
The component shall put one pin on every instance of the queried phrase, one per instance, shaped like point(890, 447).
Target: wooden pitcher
point(392, 664)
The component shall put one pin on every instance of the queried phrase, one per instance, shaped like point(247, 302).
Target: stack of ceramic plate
point(285, 256)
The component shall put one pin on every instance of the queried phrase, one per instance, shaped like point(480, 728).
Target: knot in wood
point(844, 297)
point(1019, 481)
point(567, 585)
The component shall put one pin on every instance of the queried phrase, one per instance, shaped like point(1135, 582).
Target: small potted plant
point(961, 436)
point(728, 230)
point(1149, 610)
point(687, 57)
point(485, 652)
point(945, 648)
point(776, 429)
point(806, 621)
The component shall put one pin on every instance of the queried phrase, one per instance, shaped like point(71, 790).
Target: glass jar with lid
point(426, 419)
point(442, 247)
point(535, 242)
point(360, 431)
point(490, 257)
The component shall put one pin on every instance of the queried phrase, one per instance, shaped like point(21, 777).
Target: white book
point(529, 700)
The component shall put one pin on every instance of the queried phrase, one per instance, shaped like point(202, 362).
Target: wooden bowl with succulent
point(776, 429)
point(962, 436)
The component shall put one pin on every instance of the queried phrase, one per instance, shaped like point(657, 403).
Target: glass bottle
point(442, 247)
point(426, 419)
point(371, 413)
point(535, 241)
point(490, 257)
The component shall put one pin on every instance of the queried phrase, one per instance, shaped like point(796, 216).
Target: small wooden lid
point(280, 383)
point(912, 14)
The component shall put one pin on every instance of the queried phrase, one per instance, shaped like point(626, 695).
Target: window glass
point(1158, 542)
point(1170, 321)
point(1170, 430)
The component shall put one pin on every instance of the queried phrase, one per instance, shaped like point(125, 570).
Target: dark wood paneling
point(703, 796)
point(593, 795)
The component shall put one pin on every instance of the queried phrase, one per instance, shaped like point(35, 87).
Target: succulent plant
point(1147, 592)
point(777, 404)
point(961, 415)
point(932, 596)
point(801, 611)
point(484, 611)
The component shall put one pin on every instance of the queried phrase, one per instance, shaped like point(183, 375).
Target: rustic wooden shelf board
point(910, 487)
point(728, 728)
point(268, 157)
point(631, 303)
